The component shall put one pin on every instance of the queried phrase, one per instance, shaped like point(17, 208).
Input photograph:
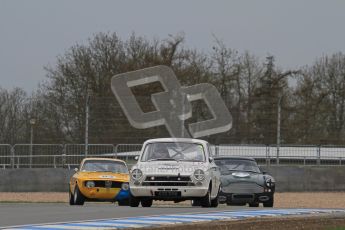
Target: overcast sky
point(33, 33)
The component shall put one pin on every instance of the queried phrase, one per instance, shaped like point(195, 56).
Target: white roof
point(188, 140)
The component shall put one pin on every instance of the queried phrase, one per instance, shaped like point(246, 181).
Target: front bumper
point(99, 193)
point(241, 198)
point(169, 193)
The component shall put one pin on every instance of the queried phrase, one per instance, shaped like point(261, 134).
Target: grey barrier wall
point(308, 178)
point(289, 179)
point(34, 180)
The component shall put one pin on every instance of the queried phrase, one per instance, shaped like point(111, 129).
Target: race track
point(36, 213)
point(105, 216)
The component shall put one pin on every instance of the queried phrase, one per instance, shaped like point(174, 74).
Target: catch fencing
point(286, 154)
point(70, 155)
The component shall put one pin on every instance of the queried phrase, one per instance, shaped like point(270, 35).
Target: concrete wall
point(288, 179)
point(34, 180)
point(308, 178)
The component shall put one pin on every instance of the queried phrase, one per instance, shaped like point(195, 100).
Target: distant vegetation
point(312, 97)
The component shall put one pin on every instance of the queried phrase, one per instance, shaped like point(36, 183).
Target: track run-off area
point(108, 216)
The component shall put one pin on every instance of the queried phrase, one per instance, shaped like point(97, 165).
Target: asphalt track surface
point(36, 213)
point(108, 216)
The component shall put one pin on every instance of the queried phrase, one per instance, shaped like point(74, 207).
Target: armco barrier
point(288, 179)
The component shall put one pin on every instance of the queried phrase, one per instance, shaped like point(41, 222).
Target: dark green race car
point(242, 182)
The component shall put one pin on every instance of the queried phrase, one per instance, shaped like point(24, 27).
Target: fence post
point(116, 150)
point(54, 162)
point(216, 149)
point(268, 159)
point(64, 147)
point(318, 155)
point(18, 162)
point(12, 157)
point(63, 160)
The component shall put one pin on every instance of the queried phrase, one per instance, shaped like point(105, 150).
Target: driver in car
point(160, 152)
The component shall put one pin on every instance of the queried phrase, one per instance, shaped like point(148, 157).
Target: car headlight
point(136, 174)
point(270, 183)
point(90, 184)
point(125, 186)
point(199, 174)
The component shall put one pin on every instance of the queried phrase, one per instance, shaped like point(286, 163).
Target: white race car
point(175, 169)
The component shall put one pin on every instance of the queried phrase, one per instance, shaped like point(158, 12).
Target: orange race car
point(100, 179)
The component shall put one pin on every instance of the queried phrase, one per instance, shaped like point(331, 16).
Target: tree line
point(312, 98)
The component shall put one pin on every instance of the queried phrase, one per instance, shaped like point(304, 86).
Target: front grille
point(243, 196)
point(243, 187)
point(168, 181)
point(167, 178)
point(107, 184)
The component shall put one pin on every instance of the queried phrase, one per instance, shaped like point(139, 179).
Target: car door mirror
point(211, 159)
point(75, 169)
point(136, 158)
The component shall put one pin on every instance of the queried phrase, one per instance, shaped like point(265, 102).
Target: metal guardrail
point(55, 161)
point(68, 155)
point(287, 154)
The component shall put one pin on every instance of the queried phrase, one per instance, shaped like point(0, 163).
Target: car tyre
point(215, 201)
point(133, 201)
point(254, 204)
point(146, 203)
point(196, 202)
point(269, 203)
point(71, 197)
point(123, 202)
point(206, 200)
point(78, 197)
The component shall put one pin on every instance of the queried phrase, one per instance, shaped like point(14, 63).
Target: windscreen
point(174, 151)
point(237, 165)
point(104, 166)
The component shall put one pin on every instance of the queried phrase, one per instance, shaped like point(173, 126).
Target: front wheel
point(215, 201)
point(146, 203)
point(254, 204)
point(269, 203)
point(206, 200)
point(79, 198)
point(71, 197)
point(123, 202)
point(196, 202)
point(133, 201)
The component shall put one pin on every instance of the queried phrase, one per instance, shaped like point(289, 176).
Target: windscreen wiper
point(190, 160)
point(162, 159)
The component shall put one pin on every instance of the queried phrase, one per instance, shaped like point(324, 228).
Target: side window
point(210, 151)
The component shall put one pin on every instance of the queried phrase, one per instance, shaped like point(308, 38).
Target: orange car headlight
point(90, 184)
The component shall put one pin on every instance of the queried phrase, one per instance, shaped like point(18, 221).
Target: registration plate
point(168, 193)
